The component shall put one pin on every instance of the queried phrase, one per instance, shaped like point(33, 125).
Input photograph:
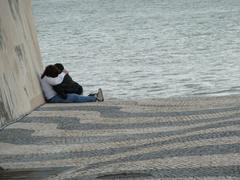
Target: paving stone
point(127, 140)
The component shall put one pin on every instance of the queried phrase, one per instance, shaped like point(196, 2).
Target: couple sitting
point(58, 87)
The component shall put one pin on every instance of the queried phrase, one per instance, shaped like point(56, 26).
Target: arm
point(57, 80)
point(60, 91)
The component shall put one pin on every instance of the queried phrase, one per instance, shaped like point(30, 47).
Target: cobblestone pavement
point(184, 138)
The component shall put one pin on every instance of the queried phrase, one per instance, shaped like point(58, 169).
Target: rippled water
point(144, 48)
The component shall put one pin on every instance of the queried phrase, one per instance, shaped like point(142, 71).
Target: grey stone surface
point(195, 173)
point(114, 112)
point(126, 140)
point(75, 123)
point(16, 136)
point(207, 150)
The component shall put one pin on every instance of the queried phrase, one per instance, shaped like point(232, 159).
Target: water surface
point(136, 49)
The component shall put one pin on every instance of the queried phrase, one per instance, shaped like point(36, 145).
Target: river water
point(135, 49)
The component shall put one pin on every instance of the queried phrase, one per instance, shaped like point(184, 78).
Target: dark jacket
point(68, 86)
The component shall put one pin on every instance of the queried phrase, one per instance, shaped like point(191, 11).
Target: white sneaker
point(99, 95)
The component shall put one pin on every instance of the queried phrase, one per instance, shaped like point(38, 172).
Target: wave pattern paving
point(185, 138)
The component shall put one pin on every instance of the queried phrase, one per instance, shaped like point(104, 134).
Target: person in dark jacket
point(67, 85)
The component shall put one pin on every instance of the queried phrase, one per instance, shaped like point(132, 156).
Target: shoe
point(99, 95)
point(92, 94)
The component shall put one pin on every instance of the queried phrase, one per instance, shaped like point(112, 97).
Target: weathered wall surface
point(20, 61)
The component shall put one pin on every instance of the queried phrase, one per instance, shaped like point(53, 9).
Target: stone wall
point(20, 61)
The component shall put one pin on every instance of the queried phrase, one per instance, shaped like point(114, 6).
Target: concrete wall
point(20, 61)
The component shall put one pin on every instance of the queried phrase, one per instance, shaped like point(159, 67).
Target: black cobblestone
point(195, 151)
point(114, 111)
point(75, 123)
point(112, 151)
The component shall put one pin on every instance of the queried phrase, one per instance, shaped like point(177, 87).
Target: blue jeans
point(72, 98)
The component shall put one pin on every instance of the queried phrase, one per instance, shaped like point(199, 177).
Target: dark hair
point(51, 71)
point(59, 66)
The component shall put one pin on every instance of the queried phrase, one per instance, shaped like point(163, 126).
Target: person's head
point(50, 71)
point(59, 66)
